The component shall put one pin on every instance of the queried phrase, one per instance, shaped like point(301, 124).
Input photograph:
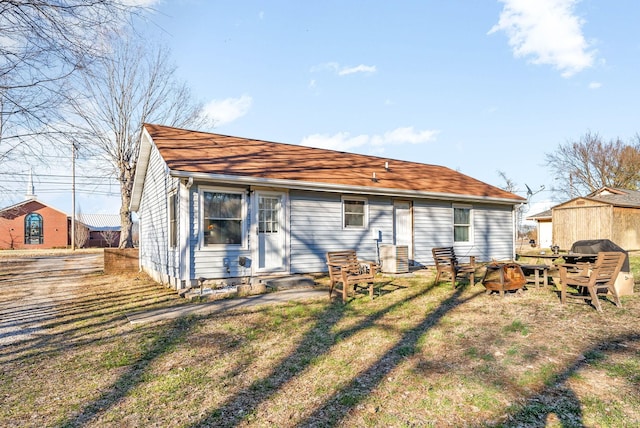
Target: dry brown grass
point(415, 356)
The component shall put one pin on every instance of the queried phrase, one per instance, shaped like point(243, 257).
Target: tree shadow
point(336, 408)
point(174, 333)
point(317, 342)
point(557, 402)
point(78, 317)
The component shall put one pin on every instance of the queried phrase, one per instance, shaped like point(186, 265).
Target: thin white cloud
point(357, 69)
point(229, 109)
point(327, 66)
point(344, 141)
point(405, 135)
point(548, 32)
point(340, 70)
point(595, 85)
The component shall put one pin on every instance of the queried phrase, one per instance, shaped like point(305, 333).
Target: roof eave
point(26, 201)
point(142, 164)
point(327, 187)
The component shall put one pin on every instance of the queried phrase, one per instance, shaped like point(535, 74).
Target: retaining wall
point(118, 260)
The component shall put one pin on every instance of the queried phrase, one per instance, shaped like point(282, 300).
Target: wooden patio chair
point(345, 268)
point(447, 262)
point(592, 279)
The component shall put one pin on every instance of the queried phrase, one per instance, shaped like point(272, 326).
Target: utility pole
point(73, 196)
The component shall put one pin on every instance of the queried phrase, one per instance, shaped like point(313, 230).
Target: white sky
point(479, 86)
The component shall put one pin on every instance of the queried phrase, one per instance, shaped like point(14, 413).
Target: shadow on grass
point(557, 400)
point(172, 335)
point(70, 321)
point(317, 342)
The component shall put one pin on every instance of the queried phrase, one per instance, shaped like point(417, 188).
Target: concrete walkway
point(218, 306)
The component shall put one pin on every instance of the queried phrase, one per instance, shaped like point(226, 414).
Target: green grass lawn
point(417, 355)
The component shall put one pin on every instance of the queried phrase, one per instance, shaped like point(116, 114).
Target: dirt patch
point(33, 287)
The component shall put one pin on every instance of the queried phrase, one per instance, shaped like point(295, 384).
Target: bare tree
point(511, 186)
point(109, 236)
point(135, 84)
point(81, 234)
point(44, 42)
point(583, 166)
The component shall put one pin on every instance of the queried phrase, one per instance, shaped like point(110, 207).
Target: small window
point(173, 220)
point(461, 224)
point(222, 218)
point(354, 213)
point(33, 229)
point(269, 214)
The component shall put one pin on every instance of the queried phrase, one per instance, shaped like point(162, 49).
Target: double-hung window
point(354, 213)
point(462, 224)
point(222, 217)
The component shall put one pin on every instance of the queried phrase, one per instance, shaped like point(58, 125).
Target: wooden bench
point(447, 262)
point(592, 279)
point(345, 268)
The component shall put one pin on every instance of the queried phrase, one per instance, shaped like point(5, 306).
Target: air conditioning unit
point(394, 258)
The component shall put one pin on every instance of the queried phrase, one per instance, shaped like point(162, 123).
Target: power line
point(84, 192)
point(21, 174)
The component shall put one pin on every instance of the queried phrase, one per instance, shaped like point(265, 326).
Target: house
point(102, 230)
point(32, 224)
point(544, 228)
point(608, 213)
point(228, 208)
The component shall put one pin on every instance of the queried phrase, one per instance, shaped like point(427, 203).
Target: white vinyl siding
point(432, 228)
point(155, 258)
point(492, 231)
point(317, 227)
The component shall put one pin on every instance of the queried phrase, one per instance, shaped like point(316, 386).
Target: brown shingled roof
point(200, 152)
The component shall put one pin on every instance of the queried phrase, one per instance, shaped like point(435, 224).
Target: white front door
point(403, 225)
point(271, 231)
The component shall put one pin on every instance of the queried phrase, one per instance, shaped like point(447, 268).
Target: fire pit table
point(503, 277)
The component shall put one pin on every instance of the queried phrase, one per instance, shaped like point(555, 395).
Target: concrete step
point(288, 282)
point(257, 285)
point(207, 293)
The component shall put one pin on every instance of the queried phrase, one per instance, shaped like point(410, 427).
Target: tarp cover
point(594, 246)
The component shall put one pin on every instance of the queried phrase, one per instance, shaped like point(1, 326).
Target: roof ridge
point(227, 157)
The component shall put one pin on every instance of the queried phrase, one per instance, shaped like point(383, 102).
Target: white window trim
point(453, 224)
point(366, 212)
point(173, 193)
point(245, 220)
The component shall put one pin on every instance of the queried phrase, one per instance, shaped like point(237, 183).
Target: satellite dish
point(529, 192)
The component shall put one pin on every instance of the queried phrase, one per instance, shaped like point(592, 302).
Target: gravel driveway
point(32, 287)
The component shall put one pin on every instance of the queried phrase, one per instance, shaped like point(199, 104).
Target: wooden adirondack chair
point(345, 268)
point(592, 279)
point(447, 262)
